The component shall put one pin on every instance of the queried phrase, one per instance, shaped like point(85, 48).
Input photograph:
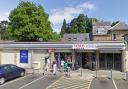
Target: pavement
point(86, 73)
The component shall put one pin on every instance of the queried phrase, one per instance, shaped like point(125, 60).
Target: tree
point(63, 28)
point(81, 24)
point(114, 23)
point(3, 30)
point(55, 37)
point(29, 22)
point(74, 26)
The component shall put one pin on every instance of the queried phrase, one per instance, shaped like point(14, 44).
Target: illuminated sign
point(84, 46)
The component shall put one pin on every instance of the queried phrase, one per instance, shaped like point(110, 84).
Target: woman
point(54, 67)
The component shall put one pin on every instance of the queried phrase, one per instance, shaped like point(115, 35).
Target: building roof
point(120, 26)
point(102, 23)
point(76, 37)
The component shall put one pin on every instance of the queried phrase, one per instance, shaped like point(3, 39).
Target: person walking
point(45, 67)
point(62, 65)
point(54, 67)
point(66, 68)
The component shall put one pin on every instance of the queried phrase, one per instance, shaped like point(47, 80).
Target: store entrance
point(86, 60)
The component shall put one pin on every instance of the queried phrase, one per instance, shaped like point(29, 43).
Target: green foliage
point(63, 28)
point(114, 23)
point(29, 22)
point(55, 37)
point(81, 24)
point(74, 27)
point(3, 30)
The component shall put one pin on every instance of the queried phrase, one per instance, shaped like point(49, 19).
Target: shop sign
point(84, 46)
point(23, 56)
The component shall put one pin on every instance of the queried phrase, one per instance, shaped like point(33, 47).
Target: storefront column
point(97, 59)
point(15, 56)
point(123, 61)
point(32, 54)
point(52, 58)
point(73, 58)
point(0, 56)
point(90, 61)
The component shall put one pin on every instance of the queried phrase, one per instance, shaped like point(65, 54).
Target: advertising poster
point(23, 56)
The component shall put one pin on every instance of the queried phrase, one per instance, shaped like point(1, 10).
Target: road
point(42, 83)
point(102, 83)
point(70, 83)
point(121, 84)
point(30, 82)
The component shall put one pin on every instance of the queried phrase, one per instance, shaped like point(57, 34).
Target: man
point(46, 65)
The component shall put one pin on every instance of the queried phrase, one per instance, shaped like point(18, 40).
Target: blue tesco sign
point(23, 56)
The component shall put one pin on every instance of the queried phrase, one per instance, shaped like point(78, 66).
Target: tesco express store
point(101, 55)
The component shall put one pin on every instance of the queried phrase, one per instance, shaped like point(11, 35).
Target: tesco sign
point(84, 46)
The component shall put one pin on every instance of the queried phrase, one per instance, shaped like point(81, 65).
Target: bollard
point(126, 75)
point(81, 72)
point(68, 71)
point(111, 73)
point(96, 73)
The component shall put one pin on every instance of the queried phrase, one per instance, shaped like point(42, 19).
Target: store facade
point(100, 55)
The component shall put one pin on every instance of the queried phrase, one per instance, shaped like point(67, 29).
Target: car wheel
point(22, 74)
point(2, 80)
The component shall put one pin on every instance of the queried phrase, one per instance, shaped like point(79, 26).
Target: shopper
point(54, 67)
point(62, 65)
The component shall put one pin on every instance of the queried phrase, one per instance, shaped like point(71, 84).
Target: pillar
point(0, 56)
point(90, 61)
point(73, 58)
point(97, 59)
point(15, 56)
point(123, 69)
point(52, 58)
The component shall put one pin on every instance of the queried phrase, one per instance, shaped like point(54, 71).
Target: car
point(10, 71)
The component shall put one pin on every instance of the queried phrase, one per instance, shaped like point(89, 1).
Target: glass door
point(110, 60)
point(102, 61)
point(117, 61)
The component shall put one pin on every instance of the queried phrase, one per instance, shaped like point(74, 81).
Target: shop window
point(86, 39)
point(69, 39)
point(75, 39)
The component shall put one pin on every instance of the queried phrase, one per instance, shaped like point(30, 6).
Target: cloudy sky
point(108, 10)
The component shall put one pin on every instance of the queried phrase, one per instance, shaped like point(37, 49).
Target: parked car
point(10, 71)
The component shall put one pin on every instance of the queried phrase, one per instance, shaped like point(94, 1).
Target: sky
point(58, 10)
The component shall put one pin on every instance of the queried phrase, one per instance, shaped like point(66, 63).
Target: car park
point(10, 71)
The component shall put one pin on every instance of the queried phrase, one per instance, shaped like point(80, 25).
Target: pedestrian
point(66, 68)
point(45, 68)
point(54, 67)
point(48, 64)
point(62, 64)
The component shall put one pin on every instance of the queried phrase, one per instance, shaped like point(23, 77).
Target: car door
point(15, 70)
point(7, 72)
